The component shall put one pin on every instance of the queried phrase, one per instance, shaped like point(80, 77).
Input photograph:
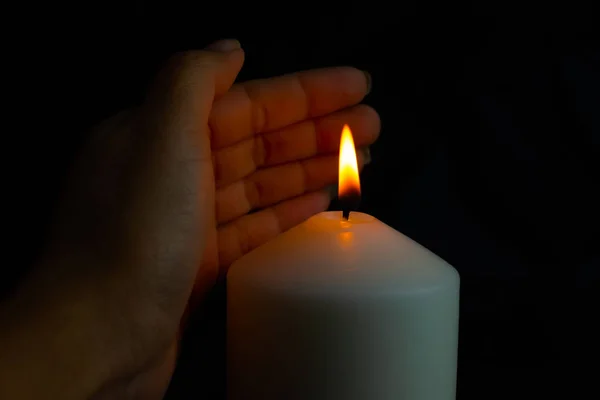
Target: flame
point(349, 181)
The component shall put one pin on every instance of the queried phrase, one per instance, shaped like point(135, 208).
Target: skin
point(161, 201)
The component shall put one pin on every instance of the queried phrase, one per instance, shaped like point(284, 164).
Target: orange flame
point(349, 181)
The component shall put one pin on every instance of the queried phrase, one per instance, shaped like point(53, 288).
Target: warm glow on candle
point(349, 181)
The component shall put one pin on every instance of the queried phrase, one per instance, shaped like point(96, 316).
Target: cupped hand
point(165, 197)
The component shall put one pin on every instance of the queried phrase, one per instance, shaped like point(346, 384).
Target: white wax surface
point(337, 309)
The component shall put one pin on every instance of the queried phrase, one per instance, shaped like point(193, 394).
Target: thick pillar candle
point(337, 309)
point(342, 307)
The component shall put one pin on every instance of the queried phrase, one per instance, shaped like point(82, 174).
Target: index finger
point(264, 105)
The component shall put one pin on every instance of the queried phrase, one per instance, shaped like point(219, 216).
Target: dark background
point(488, 154)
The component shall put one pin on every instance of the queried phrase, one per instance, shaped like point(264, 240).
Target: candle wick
point(349, 202)
point(346, 214)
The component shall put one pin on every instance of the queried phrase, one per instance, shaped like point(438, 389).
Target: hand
point(162, 200)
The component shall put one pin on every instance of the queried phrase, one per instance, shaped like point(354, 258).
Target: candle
point(342, 307)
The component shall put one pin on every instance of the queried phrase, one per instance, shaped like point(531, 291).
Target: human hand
point(162, 200)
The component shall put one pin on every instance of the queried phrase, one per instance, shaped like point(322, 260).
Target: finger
point(244, 234)
point(299, 141)
point(272, 185)
point(267, 104)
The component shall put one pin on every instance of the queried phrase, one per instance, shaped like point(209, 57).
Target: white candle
point(342, 309)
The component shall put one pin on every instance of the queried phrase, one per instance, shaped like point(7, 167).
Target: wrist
point(49, 349)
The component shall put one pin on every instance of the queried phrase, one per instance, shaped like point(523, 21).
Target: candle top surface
point(327, 254)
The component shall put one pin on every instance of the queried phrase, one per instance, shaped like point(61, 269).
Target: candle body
point(337, 309)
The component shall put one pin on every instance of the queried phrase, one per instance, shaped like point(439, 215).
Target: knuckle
point(260, 151)
point(253, 194)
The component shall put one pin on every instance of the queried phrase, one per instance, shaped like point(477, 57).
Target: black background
point(488, 154)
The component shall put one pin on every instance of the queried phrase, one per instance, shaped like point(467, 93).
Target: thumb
point(224, 45)
point(173, 185)
point(235, 58)
point(186, 88)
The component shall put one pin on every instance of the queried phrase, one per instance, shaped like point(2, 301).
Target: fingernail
point(367, 155)
point(332, 190)
point(224, 45)
point(369, 81)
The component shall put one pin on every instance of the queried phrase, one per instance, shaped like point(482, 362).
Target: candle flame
point(349, 181)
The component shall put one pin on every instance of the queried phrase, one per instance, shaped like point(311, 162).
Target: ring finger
point(272, 185)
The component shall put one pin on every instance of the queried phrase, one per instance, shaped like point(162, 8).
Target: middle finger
point(303, 140)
